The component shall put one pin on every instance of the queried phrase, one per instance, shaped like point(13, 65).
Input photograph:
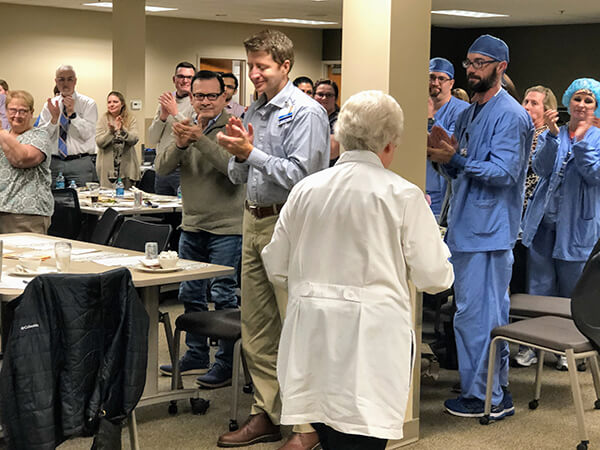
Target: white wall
point(35, 40)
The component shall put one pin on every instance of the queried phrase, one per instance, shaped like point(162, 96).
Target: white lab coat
point(347, 241)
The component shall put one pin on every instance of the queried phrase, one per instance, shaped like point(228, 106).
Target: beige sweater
point(211, 202)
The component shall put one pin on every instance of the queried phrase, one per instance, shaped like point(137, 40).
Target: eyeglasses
point(212, 96)
point(477, 64)
point(15, 111)
point(184, 77)
point(442, 80)
point(324, 94)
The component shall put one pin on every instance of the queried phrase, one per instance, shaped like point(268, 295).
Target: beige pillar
point(129, 57)
point(385, 46)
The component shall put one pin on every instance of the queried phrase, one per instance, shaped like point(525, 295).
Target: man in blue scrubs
point(443, 111)
point(487, 161)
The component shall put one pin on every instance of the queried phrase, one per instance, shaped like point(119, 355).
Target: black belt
point(260, 212)
point(71, 157)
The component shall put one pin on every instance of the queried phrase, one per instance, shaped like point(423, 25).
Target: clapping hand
point(185, 133)
point(54, 110)
point(238, 141)
point(168, 105)
point(69, 105)
point(550, 119)
point(440, 147)
point(585, 125)
point(118, 123)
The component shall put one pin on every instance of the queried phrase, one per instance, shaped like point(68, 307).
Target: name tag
point(287, 116)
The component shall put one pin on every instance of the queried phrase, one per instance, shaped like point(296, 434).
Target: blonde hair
point(549, 97)
point(23, 95)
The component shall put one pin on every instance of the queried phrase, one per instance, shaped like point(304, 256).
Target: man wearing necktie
point(70, 119)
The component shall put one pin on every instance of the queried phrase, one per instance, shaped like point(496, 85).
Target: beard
point(434, 91)
point(477, 84)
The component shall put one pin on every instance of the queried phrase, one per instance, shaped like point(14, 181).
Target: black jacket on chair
point(585, 299)
point(77, 353)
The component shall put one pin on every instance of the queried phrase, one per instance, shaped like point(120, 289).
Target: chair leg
point(133, 434)
point(487, 409)
point(248, 380)
point(235, 384)
point(538, 380)
point(166, 321)
point(176, 381)
point(593, 361)
point(576, 390)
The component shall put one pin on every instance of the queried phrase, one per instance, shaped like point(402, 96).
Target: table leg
point(149, 296)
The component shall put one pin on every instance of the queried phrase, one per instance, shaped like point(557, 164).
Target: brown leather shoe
point(258, 428)
point(302, 441)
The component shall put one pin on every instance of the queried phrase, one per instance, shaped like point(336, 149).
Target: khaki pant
point(23, 223)
point(263, 310)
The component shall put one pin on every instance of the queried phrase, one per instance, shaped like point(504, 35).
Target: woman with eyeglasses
point(116, 136)
point(326, 93)
point(26, 202)
point(562, 220)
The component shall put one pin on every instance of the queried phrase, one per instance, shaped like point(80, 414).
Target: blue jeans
point(167, 184)
point(215, 249)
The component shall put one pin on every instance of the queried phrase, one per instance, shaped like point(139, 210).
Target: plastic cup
point(62, 253)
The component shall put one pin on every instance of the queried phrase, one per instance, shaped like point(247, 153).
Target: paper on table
point(124, 261)
point(9, 282)
point(33, 242)
point(96, 256)
point(83, 251)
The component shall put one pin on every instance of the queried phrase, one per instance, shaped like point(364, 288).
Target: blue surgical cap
point(441, 65)
point(588, 84)
point(490, 46)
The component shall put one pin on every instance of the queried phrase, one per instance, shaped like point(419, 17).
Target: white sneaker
point(561, 363)
point(526, 357)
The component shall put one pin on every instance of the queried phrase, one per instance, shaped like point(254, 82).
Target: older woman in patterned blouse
point(26, 202)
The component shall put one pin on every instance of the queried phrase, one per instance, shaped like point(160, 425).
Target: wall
point(551, 55)
point(36, 40)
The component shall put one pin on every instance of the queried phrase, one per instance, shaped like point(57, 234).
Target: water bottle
point(72, 184)
point(120, 188)
point(60, 181)
point(179, 192)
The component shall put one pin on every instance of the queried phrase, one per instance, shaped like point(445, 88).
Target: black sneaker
point(216, 377)
point(505, 408)
point(186, 367)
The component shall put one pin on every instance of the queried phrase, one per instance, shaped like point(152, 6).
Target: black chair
point(66, 220)
point(146, 183)
point(222, 324)
point(134, 234)
point(106, 227)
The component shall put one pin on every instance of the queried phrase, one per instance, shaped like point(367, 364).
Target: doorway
point(235, 66)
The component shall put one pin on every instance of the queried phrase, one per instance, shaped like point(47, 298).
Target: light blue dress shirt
point(291, 141)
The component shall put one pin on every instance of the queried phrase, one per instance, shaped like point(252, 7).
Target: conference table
point(152, 203)
point(92, 258)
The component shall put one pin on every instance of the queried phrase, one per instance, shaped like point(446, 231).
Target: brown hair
point(23, 95)
point(124, 113)
point(275, 43)
point(4, 85)
point(549, 97)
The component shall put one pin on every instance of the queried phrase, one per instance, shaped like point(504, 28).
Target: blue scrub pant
point(482, 302)
point(545, 274)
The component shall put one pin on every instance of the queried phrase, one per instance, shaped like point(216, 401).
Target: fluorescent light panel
point(299, 21)
point(148, 8)
point(472, 14)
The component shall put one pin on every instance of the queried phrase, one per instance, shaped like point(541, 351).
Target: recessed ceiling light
point(300, 21)
point(472, 14)
point(148, 8)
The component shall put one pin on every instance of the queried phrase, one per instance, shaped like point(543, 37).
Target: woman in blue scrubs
point(562, 221)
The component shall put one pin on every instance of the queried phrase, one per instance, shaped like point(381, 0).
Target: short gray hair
point(369, 120)
point(65, 68)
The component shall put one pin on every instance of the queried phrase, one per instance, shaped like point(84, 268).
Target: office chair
point(66, 219)
point(106, 227)
point(222, 324)
point(146, 183)
point(576, 338)
point(134, 234)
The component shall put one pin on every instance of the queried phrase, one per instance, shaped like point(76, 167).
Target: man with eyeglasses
point(172, 107)
point(212, 219)
point(443, 110)
point(231, 87)
point(70, 119)
point(487, 161)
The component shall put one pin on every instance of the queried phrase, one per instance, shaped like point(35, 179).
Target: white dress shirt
point(81, 137)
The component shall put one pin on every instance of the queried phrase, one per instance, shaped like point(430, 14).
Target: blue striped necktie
point(62, 134)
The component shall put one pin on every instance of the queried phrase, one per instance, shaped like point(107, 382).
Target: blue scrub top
point(488, 175)
point(568, 193)
point(435, 183)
